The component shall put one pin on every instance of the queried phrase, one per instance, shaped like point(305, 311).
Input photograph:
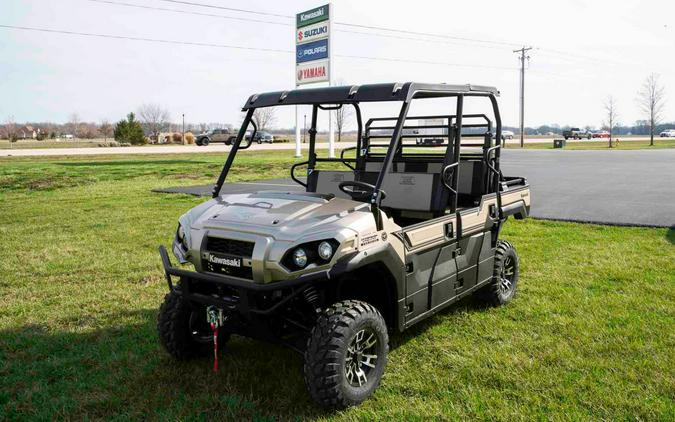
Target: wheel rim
point(361, 357)
point(507, 275)
point(199, 328)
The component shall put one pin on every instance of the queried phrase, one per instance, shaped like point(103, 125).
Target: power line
point(189, 12)
point(237, 18)
point(233, 9)
point(156, 40)
point(481, 42)
point(240, 47)
point(353, 25)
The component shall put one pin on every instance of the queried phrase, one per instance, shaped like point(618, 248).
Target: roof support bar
point(233, 152)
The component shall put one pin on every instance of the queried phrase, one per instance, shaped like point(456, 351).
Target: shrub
point(177, 138)
point(129, 131)
point(189, 138)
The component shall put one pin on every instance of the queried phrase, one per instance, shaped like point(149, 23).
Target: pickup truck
point(576, 133)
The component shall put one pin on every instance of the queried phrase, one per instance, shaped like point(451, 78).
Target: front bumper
point(243, 301)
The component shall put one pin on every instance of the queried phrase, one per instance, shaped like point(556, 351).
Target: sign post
point(313, 57)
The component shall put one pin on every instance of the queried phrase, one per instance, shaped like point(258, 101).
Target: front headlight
point(318, 252)
point(325, 250)
point(300, 257)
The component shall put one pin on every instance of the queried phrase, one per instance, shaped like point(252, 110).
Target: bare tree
point(10, 128)
point(342, 114)
point(651, 98)
point(106, 129)
point(154, 116)
point(264, 117)
point(73, 124)
point(612, 115)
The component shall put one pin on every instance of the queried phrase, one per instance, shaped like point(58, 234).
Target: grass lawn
point(591, 334)
point(597, 144)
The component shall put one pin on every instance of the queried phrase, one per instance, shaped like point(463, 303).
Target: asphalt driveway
point(635, 188)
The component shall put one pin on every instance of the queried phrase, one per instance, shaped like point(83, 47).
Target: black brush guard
point(245, 289)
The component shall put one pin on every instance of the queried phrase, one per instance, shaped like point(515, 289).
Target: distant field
point(604, 144)
point(589, 337)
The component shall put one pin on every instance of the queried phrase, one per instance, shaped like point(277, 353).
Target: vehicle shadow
point(123, 372)
point(469, 304)
point(671, 235)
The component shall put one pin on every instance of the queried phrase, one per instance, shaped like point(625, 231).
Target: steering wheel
point(364, 192)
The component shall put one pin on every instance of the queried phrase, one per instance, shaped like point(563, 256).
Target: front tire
point(502, 288)
point(346, 354)
point(183, 330)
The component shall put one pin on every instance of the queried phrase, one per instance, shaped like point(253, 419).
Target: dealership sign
point(316, 50)
point(315, 71)
point(312, 46)
point(312, 33)
point(315, 15)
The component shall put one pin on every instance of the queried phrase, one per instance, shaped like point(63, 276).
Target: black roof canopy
point(365, 93)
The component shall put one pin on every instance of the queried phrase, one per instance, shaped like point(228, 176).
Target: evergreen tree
point(129, 130)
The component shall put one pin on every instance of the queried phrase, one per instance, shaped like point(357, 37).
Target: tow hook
point(216, 319)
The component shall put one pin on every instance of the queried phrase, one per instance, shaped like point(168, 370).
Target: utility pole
point(183, 128)
point(304, 130)
point(522, 52)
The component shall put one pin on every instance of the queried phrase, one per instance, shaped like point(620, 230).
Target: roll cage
point(446, 193)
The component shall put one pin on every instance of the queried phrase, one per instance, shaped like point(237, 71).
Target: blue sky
point(584, 51)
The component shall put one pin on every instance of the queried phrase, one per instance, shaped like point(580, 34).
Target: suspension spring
point(312, 297)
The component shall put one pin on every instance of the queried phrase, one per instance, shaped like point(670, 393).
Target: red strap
point(214, 328)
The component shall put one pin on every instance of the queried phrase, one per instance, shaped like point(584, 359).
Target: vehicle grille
point(242, 272)
point(230, 247)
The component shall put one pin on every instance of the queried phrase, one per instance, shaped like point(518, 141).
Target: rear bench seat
point(409, 186)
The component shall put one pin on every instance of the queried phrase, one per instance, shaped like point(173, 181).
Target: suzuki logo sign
point(312, 33)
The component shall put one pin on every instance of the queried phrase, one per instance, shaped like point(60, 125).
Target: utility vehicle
point(387, 235)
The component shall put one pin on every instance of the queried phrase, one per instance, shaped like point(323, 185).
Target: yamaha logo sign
point(311, 72)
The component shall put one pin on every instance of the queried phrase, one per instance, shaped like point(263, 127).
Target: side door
point(475, 252)
point(430, 266)
point(218, 136)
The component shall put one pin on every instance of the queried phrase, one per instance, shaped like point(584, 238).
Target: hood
point(292, 212)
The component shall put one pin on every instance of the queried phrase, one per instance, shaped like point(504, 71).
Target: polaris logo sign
point(312, 46)
point(316, 50)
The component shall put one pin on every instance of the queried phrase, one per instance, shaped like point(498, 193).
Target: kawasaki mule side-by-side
point(386, 235)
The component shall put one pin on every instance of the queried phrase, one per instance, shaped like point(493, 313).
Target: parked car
point(601, 134)
point(213, 135)
point(668, 133)
point(576, 133)
point(507, 134)
point(262, 136)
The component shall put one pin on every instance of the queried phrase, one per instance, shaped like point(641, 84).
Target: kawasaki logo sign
point(312, 16)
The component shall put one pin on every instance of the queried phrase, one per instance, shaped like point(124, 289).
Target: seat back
point(328, 181)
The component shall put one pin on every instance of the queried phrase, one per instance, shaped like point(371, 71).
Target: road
point(186, 149)
point(633, 188)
